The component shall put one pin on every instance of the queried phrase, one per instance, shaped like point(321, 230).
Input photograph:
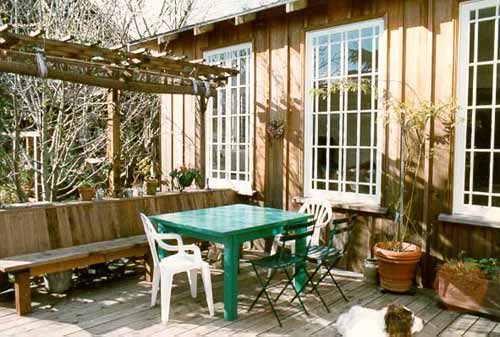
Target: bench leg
point(23, 292)
point(149, 267)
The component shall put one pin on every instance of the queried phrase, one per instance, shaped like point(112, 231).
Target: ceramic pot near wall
point(86, 193)
point(370, 271)
point(397, 267)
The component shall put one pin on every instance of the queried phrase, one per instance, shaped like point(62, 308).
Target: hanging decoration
point(41, 64)
point(276, 129)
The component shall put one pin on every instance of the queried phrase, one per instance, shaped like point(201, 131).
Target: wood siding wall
point(421, 38)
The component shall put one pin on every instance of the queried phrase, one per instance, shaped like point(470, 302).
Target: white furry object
point(361, 322)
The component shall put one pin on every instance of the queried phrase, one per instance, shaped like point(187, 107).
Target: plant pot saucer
point(412, 291)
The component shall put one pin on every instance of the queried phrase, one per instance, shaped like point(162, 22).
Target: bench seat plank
point(29, 261)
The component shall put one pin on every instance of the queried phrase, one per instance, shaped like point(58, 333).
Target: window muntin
point(477, 160)
point(229, 121)
point(342, 128)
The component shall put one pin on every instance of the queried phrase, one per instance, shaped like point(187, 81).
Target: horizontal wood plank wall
point(29, 230)
point(421, 39)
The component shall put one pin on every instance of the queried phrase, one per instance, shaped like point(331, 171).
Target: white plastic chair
point(165, 269)
point(323, 215)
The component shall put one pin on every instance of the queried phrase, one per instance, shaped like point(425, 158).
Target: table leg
point(300, 276)
point(231, 263)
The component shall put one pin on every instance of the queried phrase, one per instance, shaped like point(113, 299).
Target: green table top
point(229, 220)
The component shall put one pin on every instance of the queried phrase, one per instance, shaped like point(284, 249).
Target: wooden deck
point(121, 308)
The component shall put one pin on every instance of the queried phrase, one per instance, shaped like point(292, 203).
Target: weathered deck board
point(121, 308)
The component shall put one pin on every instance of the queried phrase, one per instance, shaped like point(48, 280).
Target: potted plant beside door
point(397, 258)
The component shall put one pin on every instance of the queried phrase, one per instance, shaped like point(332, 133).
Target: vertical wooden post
point(22, 291)
point(113, 140)
point(202, 106)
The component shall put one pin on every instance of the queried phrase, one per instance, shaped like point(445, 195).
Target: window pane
point(335, 59)
point(352, 57)
point(214, 104)
point(243, 101)
point(322, 127)
point(472, 38)
point(322, 99)
point(321, 163)
point(222, 157)
point(242, 129)
point(352, 99)
point(351, 129)
point(480, 200)
point(486, 38)
point(222, 105)
point(334, 100)
point(496, 173)
point(482, 137)
point(481, 171)
point(486, 12)
point(214, 130)
point(364, 165)
point(470, 99)
point(233, 158)
point(366, 56)
point(467, 171)
point(351, 165)
point(497, 129)
point(366, 93)
point(214, 157)
point(242, 159)
point(334, 129)
point(365, 132)
point(323, 61)
point(243, 71)
point(484, 84)
point(223, 129)
point(234, 101)
point(469, 129)
point(334, 164)
point(234, 129)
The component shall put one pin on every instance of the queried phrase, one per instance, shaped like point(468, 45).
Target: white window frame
point(242, 187)
point(459, 207)
point(348, 197)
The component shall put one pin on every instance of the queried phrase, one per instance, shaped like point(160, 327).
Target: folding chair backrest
point(339, 226)
point(151, 235)
point(293, 232)
point(323, 215)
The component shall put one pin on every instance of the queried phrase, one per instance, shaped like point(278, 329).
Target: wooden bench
point(39, 240)
point(25, 266)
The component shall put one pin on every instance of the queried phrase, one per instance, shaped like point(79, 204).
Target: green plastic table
point(232, 225)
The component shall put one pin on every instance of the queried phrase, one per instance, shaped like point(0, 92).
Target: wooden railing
point(40, 228)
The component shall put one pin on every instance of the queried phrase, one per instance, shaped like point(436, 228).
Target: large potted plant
point(184, 176)
point(398, 259)
point(470, 284)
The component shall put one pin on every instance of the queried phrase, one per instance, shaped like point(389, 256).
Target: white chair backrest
point(323, 215)
point(151, 235)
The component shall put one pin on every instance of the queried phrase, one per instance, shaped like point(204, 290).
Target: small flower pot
point(468, 292)
point(397, 268)
point(370, 271)
point(86, 193)
point(150, 186)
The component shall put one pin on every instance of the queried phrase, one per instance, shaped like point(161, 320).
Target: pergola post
point(203, 102)
point(113, 141)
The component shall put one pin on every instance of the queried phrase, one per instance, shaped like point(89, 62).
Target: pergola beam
point(103, 82)
point(202, 29)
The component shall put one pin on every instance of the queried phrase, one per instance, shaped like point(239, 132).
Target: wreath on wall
point(276, 129)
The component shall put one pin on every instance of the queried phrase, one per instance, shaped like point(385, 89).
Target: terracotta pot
point(397, 268)
point(150, 187)
point(468, 292)
point(86, 193)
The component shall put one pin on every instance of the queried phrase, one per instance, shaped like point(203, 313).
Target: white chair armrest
point(169, 236)
point(194, 248)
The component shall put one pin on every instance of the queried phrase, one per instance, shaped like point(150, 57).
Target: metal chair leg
point(296, 293)
point(335, 282)
point(263, 291)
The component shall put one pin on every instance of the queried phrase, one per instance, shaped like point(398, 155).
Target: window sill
point(471, 220)
point(351, 206)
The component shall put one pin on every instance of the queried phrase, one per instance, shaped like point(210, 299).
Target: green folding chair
point(328, 256)
point(284, 261)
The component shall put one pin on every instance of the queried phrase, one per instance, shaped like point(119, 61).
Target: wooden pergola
point(115, 69)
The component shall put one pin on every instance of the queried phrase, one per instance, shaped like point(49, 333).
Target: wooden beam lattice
point(112, 68)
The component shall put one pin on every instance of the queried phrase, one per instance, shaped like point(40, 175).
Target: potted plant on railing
point(86, 189)
point(146, 172)
point(397, 259)
point(470, 284)
point(184, 176)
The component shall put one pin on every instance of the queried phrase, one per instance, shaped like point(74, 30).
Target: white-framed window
point(229, 122)
point(477, 143)
point(343, 128)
